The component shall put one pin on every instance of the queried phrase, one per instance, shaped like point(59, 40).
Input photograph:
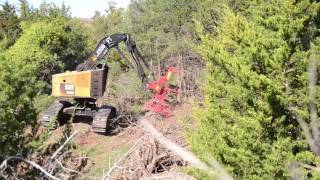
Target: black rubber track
point(100, 120)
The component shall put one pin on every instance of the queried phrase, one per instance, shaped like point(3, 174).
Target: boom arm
point(104, 46)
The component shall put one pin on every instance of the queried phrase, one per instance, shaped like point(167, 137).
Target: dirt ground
point(74, 151)
point(104, 152)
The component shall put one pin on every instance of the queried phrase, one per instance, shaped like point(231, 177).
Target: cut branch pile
point(144, 159)
point(147, 158)
point(55, 161)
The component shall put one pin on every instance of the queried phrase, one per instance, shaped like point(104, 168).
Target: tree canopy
point(257, 86)
point(43, 44)
point(255, 63)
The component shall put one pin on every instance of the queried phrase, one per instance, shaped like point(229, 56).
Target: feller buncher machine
point(83, 89)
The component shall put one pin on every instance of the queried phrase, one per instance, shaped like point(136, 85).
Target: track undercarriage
point(87, 84)
point(59, 112)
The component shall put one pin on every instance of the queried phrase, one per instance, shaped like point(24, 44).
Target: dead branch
point(307, 133)
point(312, 135)
point(183, 153)
point(65, 143)
point(115, 165)
point(312, 73)
point(314, 168)
point(3, 166)
point(64, 168)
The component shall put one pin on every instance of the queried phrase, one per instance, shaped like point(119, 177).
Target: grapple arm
point(103, 47)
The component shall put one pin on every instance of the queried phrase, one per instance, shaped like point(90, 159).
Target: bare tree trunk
point(312, 73)
point(311, 131)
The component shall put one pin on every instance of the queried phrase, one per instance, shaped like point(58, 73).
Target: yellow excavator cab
point(82, 84)
point(87, 85)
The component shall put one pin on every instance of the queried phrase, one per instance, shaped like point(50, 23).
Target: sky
point(78, 8)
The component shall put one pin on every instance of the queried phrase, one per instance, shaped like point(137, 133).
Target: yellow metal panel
point(83, 84)
point(72, 84)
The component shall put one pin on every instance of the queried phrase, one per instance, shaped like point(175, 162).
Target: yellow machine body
point(82, 84)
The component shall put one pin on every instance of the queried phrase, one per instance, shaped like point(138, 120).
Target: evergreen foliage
point(16, 107)
point(256, 85)
point(49, 43)
point(162, 28)
point(9, 26)
point(257, 55)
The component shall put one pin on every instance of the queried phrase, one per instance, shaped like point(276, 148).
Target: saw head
point(162, 88)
